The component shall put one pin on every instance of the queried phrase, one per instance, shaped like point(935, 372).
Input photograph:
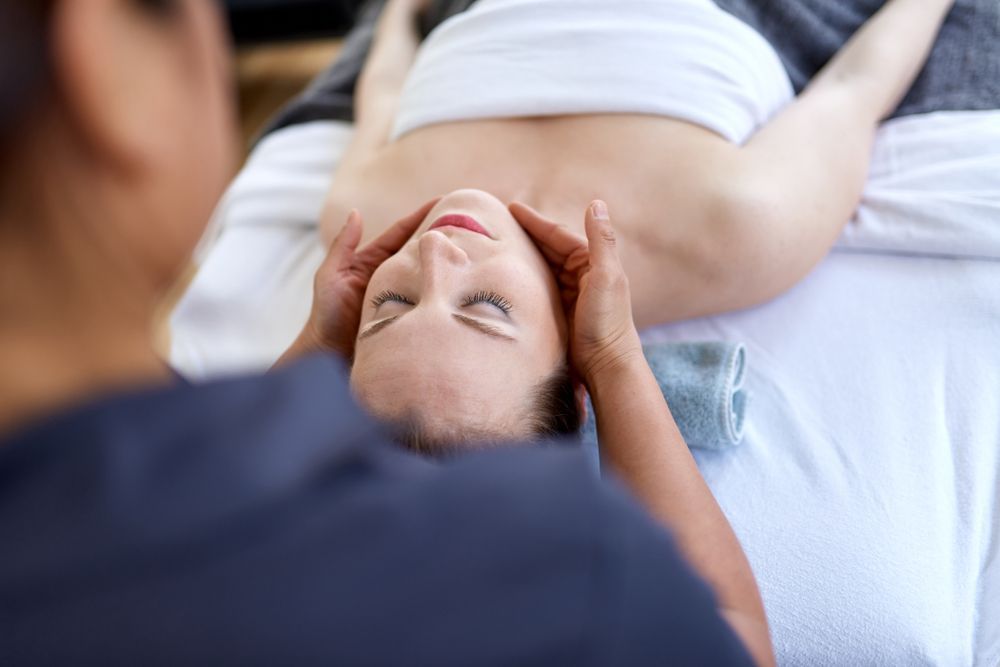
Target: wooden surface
point(269, 76)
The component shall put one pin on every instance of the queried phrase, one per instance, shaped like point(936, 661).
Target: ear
point(580, 391)
point(108, 65)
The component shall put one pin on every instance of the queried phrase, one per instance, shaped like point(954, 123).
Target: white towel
point(685, 59)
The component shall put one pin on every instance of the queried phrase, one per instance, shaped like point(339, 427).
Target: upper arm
point(375, 115)
point(374, 118)
point(394, 48)
point(758, 217)
point(777, 204)
point(795, 184)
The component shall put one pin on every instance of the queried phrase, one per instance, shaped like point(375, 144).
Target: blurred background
point(281, 45)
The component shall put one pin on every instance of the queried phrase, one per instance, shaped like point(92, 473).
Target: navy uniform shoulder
point(266, 520)
point(301, 405)
point(139, 470)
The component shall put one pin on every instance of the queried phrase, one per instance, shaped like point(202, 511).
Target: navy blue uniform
point(267, 520)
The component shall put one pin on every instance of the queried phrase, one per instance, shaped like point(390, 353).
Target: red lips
point(462, 222)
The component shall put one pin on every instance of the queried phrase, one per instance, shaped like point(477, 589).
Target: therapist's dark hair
point(552, 413)
point(23, 59)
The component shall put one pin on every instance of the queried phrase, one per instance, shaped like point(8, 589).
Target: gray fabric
point(703, 385)
point(963, 72)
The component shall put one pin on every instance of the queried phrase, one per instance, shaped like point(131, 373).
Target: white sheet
point(867, 488)
point(637, 58)
point(933, 188)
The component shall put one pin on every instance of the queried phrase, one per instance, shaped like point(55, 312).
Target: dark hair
point(23, 58)
point(552, 409)
point(555, 409)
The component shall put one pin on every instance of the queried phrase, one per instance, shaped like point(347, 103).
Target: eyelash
point(482, 296)
point(390, 296)
point(491, 298)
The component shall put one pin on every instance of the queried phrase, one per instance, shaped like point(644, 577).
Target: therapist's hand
point(341, 281)
point(594, 288)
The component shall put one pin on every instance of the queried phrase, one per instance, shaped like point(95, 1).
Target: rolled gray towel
point(703, 385)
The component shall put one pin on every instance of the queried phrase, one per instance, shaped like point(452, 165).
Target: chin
point(472, 199)
point(483, 207)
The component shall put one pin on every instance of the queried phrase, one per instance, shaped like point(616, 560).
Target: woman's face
point(461, 324)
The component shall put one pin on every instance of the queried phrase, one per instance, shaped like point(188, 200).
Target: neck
point(71, 327)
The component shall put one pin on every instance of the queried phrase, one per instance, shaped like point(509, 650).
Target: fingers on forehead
point(533, 221)
point(518, 210)
point(403, 228)
point(422, 212)
point(414, 219)
point(559, 244)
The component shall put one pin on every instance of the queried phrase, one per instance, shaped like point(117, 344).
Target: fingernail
point(600, 210)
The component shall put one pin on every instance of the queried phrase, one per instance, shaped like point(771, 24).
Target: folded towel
point(703, 385)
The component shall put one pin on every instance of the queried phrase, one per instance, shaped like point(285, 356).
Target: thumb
point(601, 239)
point(342, 249)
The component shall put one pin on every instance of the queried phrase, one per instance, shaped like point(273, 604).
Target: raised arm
point(394, 48)
point(783, 198)
point(639, 439)
point(879, 63)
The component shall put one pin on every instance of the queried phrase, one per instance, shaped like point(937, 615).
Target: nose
point(439, 256)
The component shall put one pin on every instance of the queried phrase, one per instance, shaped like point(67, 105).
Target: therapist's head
point(462, 338)
point(116, 129)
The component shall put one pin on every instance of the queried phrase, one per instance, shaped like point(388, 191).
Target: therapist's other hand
point(341, 280)
point(594, 287)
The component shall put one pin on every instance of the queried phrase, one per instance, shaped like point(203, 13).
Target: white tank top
point(683, 59)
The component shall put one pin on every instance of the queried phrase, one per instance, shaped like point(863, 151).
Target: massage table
point(866, 490)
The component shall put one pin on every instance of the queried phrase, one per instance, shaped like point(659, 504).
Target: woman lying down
point(481, 315)
point(725, 190)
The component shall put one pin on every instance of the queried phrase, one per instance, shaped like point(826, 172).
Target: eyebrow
point(482, 327)
point(472, 323)
point(378, 326)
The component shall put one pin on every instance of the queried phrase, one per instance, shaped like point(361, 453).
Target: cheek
point(206, 153)
point(218, 142)
point(208, 110)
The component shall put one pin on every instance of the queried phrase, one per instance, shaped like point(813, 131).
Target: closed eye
point(492, 298)
point(389, 295)
point(483, 296)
